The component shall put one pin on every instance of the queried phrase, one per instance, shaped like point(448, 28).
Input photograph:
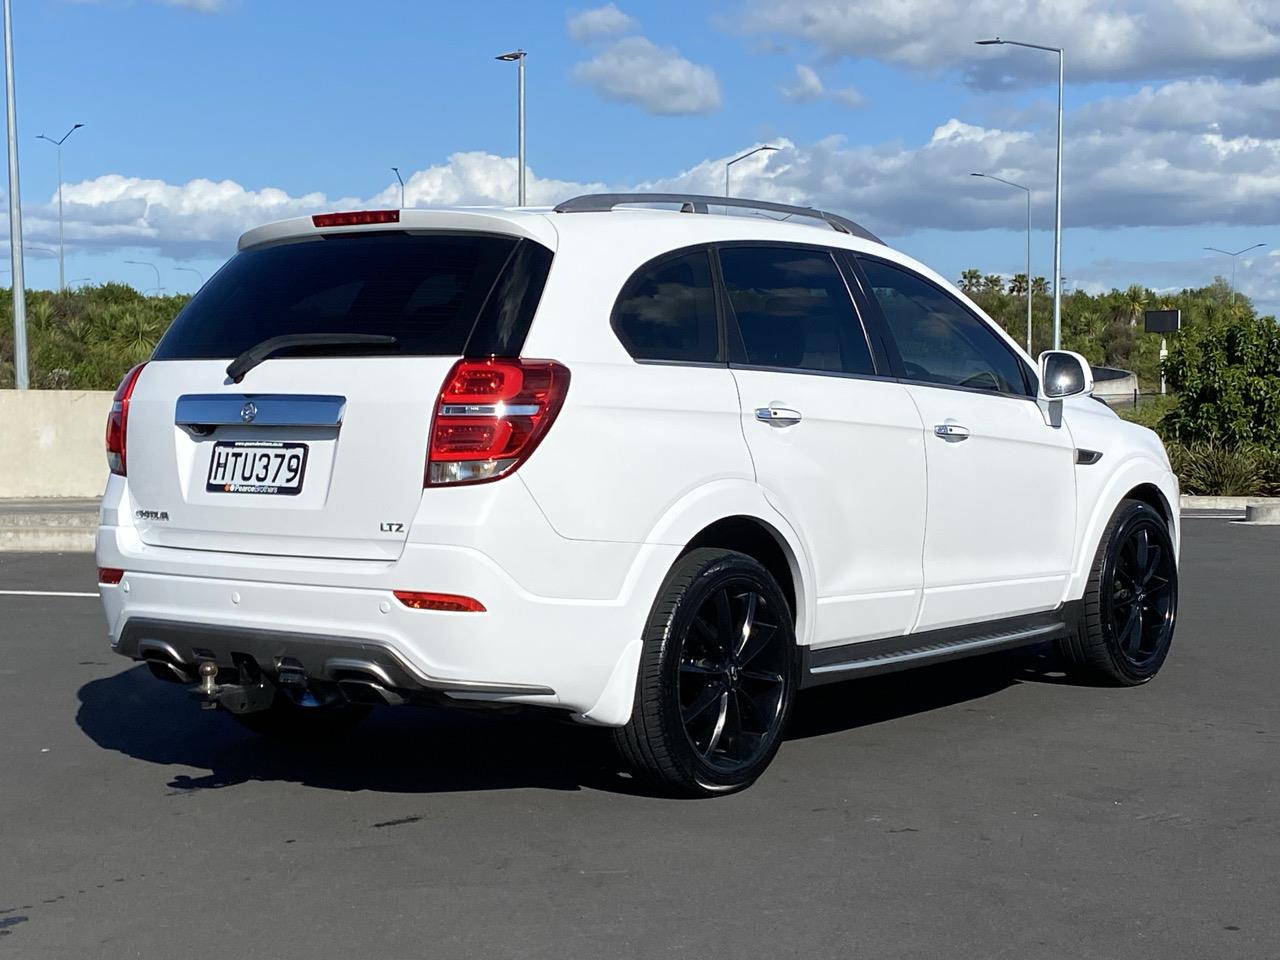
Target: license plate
point(257, 466)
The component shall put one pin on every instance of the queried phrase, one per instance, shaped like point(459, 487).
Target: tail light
point(118, 422)
point(110, 575)
point(492, 414)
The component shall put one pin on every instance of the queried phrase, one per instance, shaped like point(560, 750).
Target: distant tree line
point(1222, 422)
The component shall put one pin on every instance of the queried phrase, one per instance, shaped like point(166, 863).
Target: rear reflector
point(439, 601)
point(110, 575)
point(356, 218)
point(118, 422)
point(491, 416)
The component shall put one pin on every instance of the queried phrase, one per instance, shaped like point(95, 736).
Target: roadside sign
point(1163, 321)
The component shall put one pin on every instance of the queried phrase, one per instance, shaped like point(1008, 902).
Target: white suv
point(659, 469)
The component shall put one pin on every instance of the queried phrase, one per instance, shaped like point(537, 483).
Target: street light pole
point(20, 379)
point(396, 171)
point(518, 56)
point(62, 261)
point(736, 159)
point(1057, 193)
point(1233, 257)
point(1027, 190)
point(145, 263)
point(195, 271)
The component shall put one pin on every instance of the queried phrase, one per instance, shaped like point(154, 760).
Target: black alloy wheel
point(717, 678)
point(1140, 614)
point(732, 676)
point(1130, 601)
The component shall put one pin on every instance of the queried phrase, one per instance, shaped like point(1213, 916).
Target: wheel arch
point(1137, 478)
point(763, 542)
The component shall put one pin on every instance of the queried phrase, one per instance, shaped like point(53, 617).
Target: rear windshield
point(438, 295)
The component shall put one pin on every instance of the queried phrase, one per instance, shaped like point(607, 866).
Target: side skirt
point(870, 657)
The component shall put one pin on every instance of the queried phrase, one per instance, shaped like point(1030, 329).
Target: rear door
point(837, 448)
point(320, 449)
point(1001, 523)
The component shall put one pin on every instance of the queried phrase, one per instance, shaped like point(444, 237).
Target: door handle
point(778, 416)
point(951, 432)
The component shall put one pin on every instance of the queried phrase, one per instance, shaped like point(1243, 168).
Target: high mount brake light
point(355, 218)
point(491, 416)
point(118, 422)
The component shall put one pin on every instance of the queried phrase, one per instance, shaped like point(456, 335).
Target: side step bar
point(872, 657)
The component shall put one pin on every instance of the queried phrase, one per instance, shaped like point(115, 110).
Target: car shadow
point(400, 750)
point(839, 707)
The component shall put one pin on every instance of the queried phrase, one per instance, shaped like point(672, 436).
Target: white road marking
point(44, 593)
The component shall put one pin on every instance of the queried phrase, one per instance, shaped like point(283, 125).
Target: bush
point(1218, 470)
point(84, 339)
point(1227, 375)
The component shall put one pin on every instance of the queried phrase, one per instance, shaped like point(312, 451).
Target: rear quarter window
point(438, 295)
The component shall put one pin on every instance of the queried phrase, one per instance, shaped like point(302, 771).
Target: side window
point(667, 310)
point(793, 310)
point(939, 340)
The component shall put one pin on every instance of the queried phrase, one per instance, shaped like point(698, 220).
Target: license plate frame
point(230, 471)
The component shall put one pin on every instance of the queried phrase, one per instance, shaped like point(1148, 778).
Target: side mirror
point(1064, 374)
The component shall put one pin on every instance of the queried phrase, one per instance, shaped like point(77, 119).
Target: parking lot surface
point(982, 809)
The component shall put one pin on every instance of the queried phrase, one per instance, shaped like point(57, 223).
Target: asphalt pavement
point(984, 809)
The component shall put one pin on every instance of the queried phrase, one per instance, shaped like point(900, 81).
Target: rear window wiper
point(242, 364)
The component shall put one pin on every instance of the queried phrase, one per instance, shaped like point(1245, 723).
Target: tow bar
point(236, 697)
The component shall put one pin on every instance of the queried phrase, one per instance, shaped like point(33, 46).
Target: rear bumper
point(552, 635)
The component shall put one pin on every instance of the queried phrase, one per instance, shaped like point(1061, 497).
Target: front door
point(1002, 500)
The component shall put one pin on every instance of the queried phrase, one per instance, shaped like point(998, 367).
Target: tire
point(710, 708)
point(286, 721)
point(1130, 602)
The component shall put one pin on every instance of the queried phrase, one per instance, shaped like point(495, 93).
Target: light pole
point(144, 263)
point(518, 56)
point(396, 171)
point(1057, 192)
point(1027, 190)
point(1233, 257)
point(62, 263)
point(20, 379)
point(736, 159)
point(195, 271)
point(72, 283)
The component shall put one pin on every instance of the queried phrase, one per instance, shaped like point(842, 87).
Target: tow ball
point(236, 697)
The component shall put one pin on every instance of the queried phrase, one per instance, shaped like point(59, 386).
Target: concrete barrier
point(51, 443)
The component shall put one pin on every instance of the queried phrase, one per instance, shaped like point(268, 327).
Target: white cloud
point(1136, 40)
point(606, 21)
point(1116, 175)
point(635, 70)
point(807, 85)
point(849, 96)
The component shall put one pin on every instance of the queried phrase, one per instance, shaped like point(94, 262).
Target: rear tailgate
point(319, 450)
point(331, 464)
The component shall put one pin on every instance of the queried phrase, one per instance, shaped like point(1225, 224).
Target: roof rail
point(695, 203)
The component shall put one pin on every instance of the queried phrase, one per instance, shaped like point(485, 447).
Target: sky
point(203, 118)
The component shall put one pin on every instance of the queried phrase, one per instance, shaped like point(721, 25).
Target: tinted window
point(793, 310)
point(429, 292)
point(939, 340)
point(667, 311)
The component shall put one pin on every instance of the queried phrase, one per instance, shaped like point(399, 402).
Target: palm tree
point(1018, 285)
point(1040, 287)
point(993, 283)
point(971, 281)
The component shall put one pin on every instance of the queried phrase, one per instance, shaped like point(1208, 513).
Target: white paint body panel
point(886, 528)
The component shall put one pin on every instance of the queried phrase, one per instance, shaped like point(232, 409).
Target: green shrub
point(1218, 470)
